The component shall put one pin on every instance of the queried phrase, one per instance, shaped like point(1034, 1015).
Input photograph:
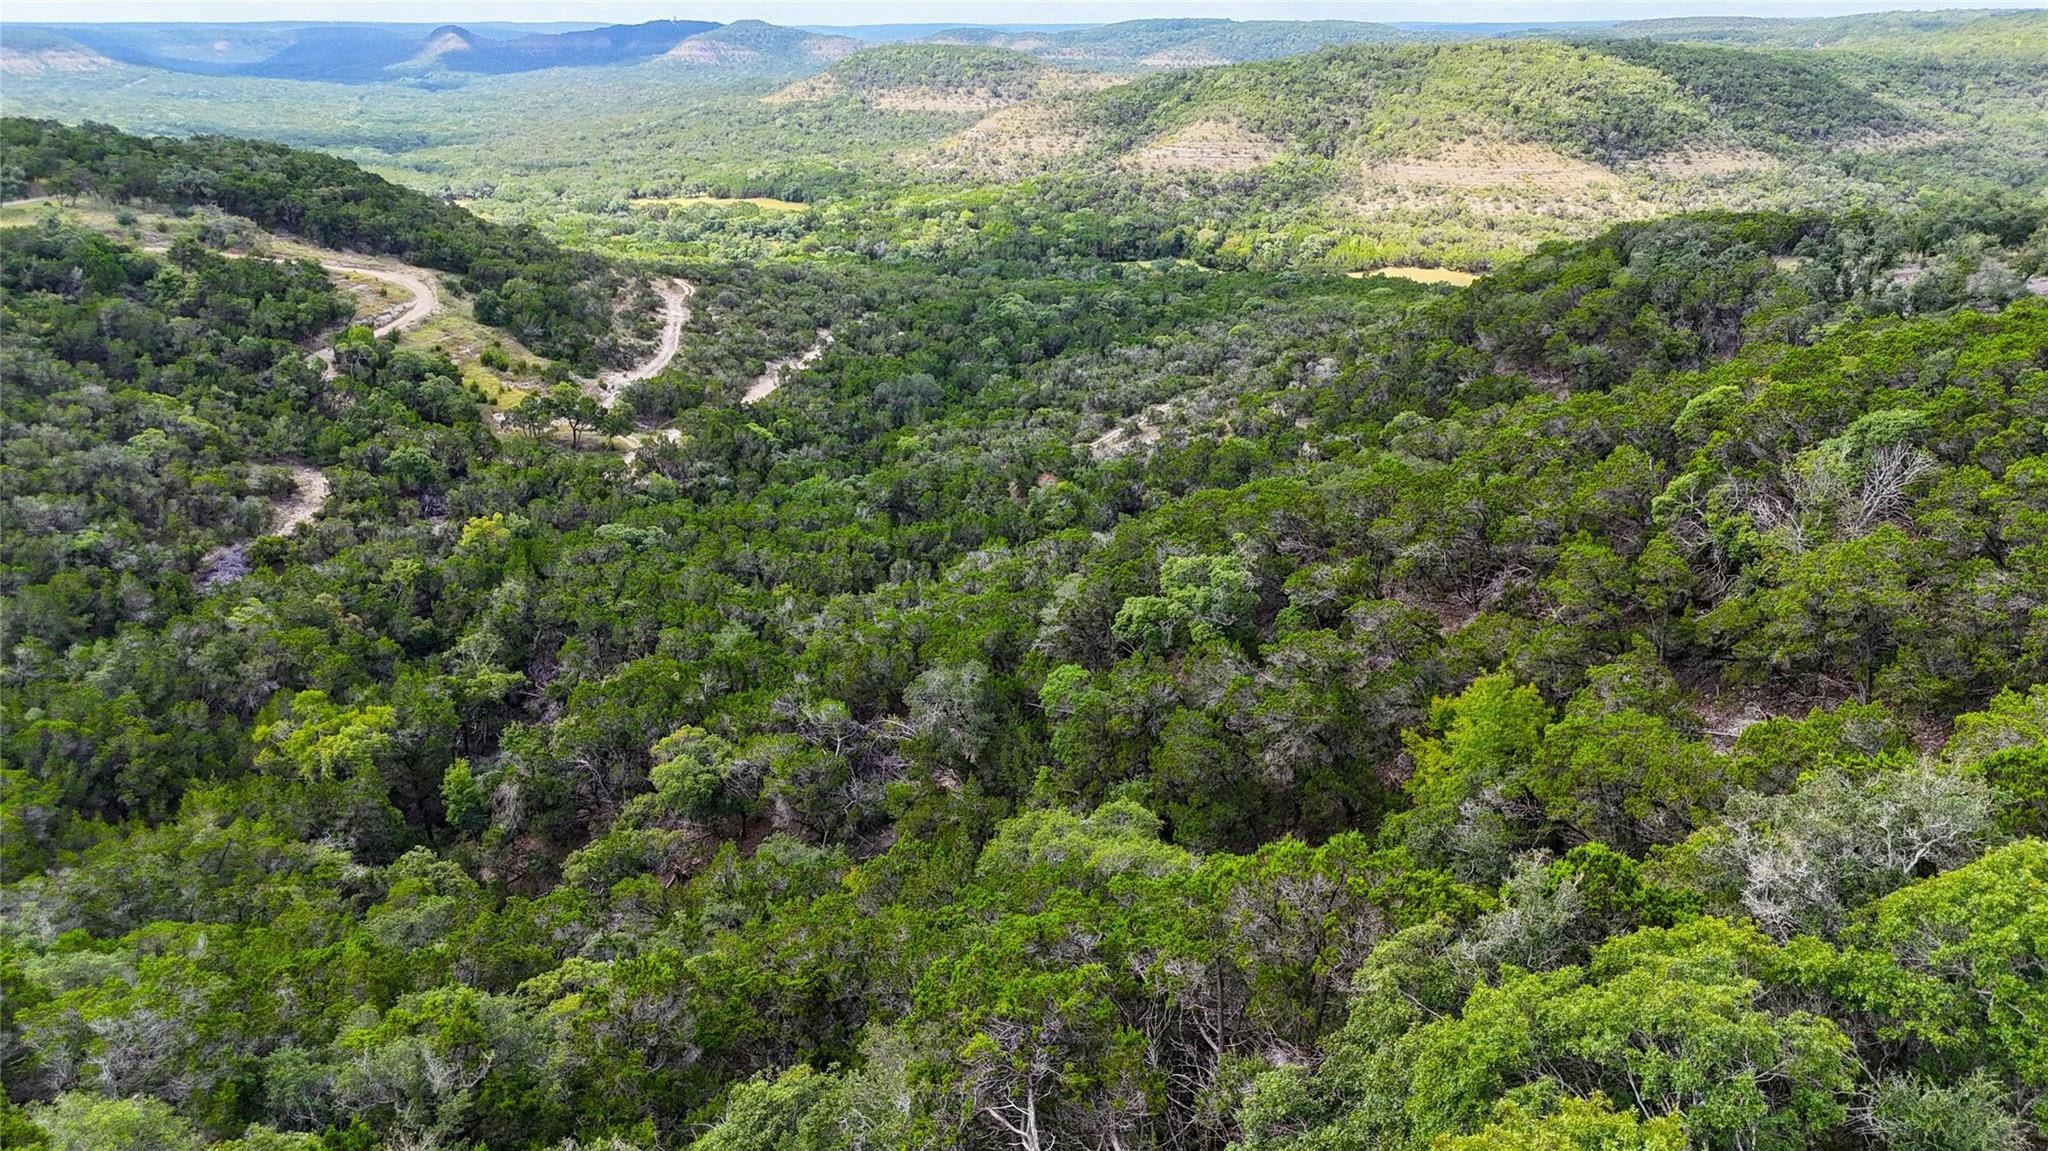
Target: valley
point(1183, 584)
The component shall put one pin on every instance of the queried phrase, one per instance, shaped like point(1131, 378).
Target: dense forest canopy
point(1023, 676)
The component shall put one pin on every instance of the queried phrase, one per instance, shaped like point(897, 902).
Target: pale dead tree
point(1829, 490)
point(877, 1102)
point(1536, 928)
point(656, 1024)
point(133, 1050)
point(1888, 471)
point(946, 706)
point(1192, 1017)
point(1008, 1074)
point(1774, 515)
point(1796, 862)
point(448, 1078)
point(410, 1080)
point(1118, 1111)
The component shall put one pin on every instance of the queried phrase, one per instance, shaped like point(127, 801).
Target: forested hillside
point(1322, 146)
point(559, 302)
point(1107, 691)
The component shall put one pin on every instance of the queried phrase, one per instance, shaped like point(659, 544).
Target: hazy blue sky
point(962, 11)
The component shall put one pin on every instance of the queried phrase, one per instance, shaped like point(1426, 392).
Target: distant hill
point(890, 33)
point(1764, 96)
point(1181, 43)
point(938, 78)
point(1602, 103)
point(751, 42)
point(2002, 31)
point(32, 52)
point(1449, 150)
point(616, 44)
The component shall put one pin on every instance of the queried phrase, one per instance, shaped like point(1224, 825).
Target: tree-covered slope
point(558, 302)
point(1443, 152)
point(934, 78)
point(1182, 43)
point(1596, 703)
point(1980, 30)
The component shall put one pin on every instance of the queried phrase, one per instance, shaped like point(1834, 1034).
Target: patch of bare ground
point(67, 61)
point(1476, 164)
point(920, 99)
point(1013, 141)
point(1419, 275)
point(310, 489)
point(633, 442)
point(903, 98)
point(813, 88)
point(695, 51)
point(1207, 146)
point(1141, 430)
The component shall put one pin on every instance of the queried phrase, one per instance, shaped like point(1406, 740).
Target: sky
point(948, 11)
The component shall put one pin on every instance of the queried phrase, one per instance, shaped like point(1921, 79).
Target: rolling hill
point(938, 78)
point(1604, 104)
point(1450, 153)
point(753, 42)
point(1920, 32)
point(1181, 43)
point(1435, 148)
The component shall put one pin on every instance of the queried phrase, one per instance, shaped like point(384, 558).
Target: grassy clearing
point(1449, 276)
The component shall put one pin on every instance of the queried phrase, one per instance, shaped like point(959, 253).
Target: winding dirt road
point(675, 312)
point(765, 384)
point(311, 486)
point(424, 303)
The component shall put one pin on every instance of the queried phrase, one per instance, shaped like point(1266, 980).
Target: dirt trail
point(311, 485)
point(637, 440)
point(231, 561)
point(425, 301)
point(303, 504)
point(766, 383)
point(675, 312)
point(414, 312)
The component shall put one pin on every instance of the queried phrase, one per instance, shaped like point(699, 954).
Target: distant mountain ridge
point(363, 53)
point(367, 53)
point(1182, 42)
